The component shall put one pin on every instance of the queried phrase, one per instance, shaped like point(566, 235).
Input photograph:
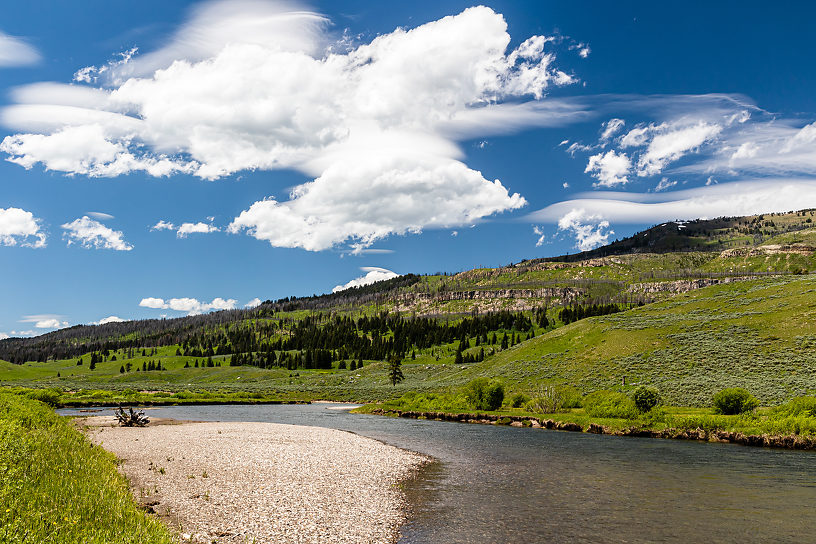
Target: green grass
point(56, 487)
point(756, 334)
point(777, 421)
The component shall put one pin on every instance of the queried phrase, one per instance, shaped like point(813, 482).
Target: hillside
point(719, 234)
point(688, 322)
point(757, 334)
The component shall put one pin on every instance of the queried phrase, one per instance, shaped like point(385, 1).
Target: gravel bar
point(263, 482)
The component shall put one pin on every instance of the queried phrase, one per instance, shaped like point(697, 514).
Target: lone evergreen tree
point(395, 369)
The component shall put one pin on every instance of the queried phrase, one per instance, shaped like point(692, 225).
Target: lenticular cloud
point(259, 85)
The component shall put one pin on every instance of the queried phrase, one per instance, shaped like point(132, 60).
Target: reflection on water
point(506, 484)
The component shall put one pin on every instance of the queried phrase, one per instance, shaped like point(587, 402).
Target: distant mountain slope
point(718, 234)
point(649, 266)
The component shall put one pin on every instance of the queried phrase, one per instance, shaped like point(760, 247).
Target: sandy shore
point(263, 482)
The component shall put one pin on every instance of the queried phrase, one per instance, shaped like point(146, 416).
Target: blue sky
point(166, 158)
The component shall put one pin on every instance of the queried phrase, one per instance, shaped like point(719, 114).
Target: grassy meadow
point(757, 334)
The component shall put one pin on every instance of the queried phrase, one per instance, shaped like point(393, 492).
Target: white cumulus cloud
point(18, 226)
point(670, 143)
point(45, 321)
point(589, 230)
point(163, 225)
point(664, 185)
point(367, 201)
point(191, 306)
point(254, 303)
point(94, 235)
point(109, 319)
point(611, 127)
point(609, 168)
point(190, 228)
point(776, 147)
point(373, 274)
point(185, 229)
point(375, 125)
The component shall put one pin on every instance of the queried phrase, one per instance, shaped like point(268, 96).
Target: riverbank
point(620, 428)
point(56, 487)
point(263, 482)
point(85, 398)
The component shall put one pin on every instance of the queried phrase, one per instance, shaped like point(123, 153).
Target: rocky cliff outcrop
point(682, 286)
point(770, 249)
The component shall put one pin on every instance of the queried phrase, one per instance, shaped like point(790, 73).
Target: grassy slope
point(686, 345)
point(56, 487)
point(757, 334)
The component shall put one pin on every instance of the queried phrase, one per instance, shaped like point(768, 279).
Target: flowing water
point(494, 484)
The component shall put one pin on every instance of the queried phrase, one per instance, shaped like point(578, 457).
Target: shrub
point(800, 406)
point(552, 399)
point(734, 400)
point(570, 397)
point(654, 416)
point(548, 401)
point(645, 398)
point(431, 401)
point(50, 397)
point(610, 404)
point(518, 400)
point(484, 394)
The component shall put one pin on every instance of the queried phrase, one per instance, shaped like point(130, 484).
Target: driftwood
point(131, 418)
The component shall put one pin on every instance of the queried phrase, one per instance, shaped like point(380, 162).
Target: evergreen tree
point(395, 370)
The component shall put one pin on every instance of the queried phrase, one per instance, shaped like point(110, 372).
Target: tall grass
point(58, 488)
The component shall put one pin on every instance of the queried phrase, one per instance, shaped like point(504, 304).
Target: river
point(496, 484)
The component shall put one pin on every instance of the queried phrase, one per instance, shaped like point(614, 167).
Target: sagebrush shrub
point(734, 400)
point(610, 404)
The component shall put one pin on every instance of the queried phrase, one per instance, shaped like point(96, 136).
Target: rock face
point(513, 299)
point(682, 286)
point(770, 249)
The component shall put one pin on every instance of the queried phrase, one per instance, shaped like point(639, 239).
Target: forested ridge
point(74, 341)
